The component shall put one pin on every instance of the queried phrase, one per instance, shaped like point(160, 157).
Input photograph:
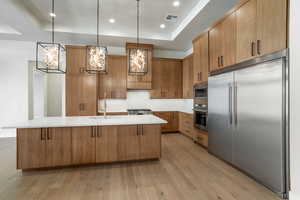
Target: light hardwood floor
point(185, 172)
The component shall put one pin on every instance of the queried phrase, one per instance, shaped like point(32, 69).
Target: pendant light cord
point(53, 22)
point(138, 23)
point(98, 8)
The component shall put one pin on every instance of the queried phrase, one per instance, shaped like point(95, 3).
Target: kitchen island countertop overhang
point(56, 122)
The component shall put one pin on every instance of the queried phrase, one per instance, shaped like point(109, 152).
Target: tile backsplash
point(141, 99)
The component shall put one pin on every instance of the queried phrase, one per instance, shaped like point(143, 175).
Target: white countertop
point(87, 121)
point(187, 111)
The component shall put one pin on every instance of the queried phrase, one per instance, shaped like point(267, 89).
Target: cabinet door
point(175, 121)
point(113, 83)
point(204, 58)
point(156, 92)
point(31, 148)
point(81, 87)
point(215, 47)
point(246, 31)
point(128, 143)
point(150, 141)
point(271, 26)
point(228, 41)
point(83, 145)
point(59, 147)
point(107, 144)
point(197, 60)
point(187, 77)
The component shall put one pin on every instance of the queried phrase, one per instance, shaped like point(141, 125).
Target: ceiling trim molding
point(194, 12)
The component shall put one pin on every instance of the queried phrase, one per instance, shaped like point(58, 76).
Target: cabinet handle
point(93, 129)
point(49, 136)
point(200, 76)
point(253, 49)
point(42, 134)
point(219, 61)
point(99, 133)
point(222, 61)
point(258, 47)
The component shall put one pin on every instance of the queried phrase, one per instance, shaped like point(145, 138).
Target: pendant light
point(51, 56)
point(97, 55)
point(138, 57)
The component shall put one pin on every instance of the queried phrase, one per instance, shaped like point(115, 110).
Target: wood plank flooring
point(185, 172)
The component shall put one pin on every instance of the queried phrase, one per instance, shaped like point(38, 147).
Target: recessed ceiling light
point(112, 20)
point(176, 3)
point(52, 14)
point(162, 26)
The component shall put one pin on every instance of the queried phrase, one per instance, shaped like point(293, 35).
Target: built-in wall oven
point(200, 106)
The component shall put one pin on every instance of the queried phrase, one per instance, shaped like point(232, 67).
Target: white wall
point(295, 97)
point(14, 57)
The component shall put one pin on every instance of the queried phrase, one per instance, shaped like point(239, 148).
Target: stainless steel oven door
point(200, 119)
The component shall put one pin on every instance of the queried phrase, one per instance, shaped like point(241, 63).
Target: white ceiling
point(76, 21)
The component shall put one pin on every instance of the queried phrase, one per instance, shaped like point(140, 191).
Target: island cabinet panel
point(128, 143)
point(43, 147)
point(150, 144)
point(31, 148)
point(107, 144)
point(83, 145)
point(59, 147)
point(53, 147)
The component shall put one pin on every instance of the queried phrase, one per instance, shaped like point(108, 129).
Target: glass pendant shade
point(96, 59)
point(51, 57)
point(138, 61)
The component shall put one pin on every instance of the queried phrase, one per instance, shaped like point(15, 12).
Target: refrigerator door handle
point(230, 104)
point(235, 104)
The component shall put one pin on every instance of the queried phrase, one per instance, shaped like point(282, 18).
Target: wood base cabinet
point(54, 147)
point(186, 127)
point(43, 147)
point(172, 118)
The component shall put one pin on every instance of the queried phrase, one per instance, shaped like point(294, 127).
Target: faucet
point(105, 105)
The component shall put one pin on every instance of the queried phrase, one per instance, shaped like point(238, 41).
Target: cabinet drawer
point(201, 138)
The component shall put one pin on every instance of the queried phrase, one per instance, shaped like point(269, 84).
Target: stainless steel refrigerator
point(248, 119)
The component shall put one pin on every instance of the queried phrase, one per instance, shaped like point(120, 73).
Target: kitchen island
point(67, 141)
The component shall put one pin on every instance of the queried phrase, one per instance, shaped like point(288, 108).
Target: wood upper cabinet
point(43, 147)
point(215, 47)
point(114, 82)
point(246, 31)
point(128, 143)
point(261, 28)
point(228, 56)
point(138, 82)
point(187, 77)
point(81, 87)
point(271, 26)
point(201, 59)
point(222, 43)
point(150, 144)
point(107, 144)
point(83, 145)
point(167, 79)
